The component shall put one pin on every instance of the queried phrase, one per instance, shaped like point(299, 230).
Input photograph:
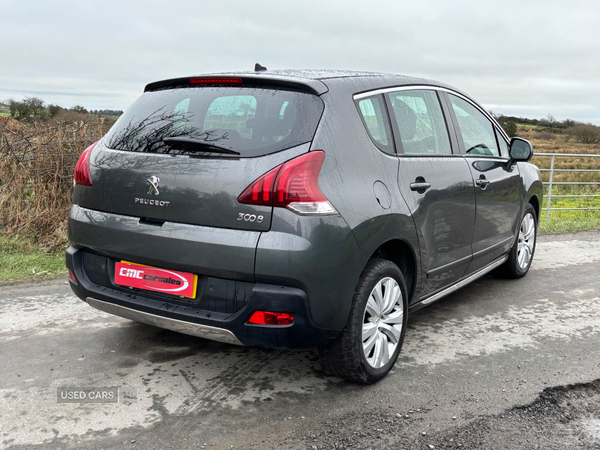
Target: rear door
point(498, 187)
point(436, 184)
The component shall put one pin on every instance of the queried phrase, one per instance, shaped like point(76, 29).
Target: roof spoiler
point(262, 80)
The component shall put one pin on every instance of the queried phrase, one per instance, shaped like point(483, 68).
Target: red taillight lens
point(83, 175)
point(271, 318)
point(213, 80)
point(261, 191)
point(293, 185)
point(298, 180)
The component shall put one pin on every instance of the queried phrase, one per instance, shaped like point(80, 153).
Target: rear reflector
point(72, 276)
point(83, 176)
point(211, 80)
point(271, 318)
point(292, 185)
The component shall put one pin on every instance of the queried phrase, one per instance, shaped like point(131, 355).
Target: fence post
point(550, 189)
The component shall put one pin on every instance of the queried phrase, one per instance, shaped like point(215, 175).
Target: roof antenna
point(259, 68)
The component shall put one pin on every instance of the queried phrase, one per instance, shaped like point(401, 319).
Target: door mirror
point(520, 150)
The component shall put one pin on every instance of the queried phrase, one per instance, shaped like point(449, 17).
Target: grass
point(572, 223)
point(4, 114)
point(21, 259)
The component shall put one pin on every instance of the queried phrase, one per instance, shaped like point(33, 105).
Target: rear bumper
point(222, 318)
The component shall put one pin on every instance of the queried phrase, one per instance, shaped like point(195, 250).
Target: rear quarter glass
point(251, 121)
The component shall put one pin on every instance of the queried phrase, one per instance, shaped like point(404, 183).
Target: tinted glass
point(376, 121)
point(250, 121)
point(421, 123)
point(476, 129)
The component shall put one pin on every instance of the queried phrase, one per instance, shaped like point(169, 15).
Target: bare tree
point(551, 120)
point(585, 133)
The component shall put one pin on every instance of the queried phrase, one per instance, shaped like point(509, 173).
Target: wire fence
point(594, 185)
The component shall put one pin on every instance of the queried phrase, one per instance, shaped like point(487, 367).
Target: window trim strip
point(433, 88)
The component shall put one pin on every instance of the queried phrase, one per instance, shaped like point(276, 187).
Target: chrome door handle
point(482, 183)
point(423, 186)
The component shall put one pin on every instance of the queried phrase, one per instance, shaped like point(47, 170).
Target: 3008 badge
point(250, 218)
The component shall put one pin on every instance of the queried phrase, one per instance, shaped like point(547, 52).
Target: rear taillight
point(292, 185)
point(271, 318)
point(83, 176)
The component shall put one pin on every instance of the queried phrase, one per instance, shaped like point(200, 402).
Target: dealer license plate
point(155, 279)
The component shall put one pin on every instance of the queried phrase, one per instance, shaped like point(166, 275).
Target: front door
point(498, 188)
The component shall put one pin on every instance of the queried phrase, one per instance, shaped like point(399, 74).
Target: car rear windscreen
point(248, 121)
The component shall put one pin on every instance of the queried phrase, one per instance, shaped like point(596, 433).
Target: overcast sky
point(517, 57)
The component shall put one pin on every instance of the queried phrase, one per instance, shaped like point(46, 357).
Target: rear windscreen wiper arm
point(198, 144)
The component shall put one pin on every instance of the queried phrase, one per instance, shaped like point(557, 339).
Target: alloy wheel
point(526, 241)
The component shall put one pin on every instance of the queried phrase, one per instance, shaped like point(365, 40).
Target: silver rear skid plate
point(181, 326)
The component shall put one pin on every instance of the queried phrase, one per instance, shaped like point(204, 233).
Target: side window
point(376, 122)
point(421, 123)
point(502, 144)
point(477, 131)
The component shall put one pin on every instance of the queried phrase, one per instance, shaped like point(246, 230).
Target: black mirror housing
point(521, 150)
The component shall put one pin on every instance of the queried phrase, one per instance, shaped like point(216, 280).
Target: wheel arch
point(535, 202)
point(533, 187)
point(393, 237)
point(403, 255)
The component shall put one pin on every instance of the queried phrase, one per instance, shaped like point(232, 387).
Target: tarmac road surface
point(499, 364)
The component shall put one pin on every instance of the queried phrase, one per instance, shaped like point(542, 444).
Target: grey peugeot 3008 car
point(299, 209)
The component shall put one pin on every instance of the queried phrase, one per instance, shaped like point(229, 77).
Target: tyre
point(521, 254)
point(371, 341)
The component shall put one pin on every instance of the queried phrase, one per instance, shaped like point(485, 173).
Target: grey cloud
point(521, 58)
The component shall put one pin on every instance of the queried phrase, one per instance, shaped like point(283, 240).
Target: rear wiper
point(197, 144)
